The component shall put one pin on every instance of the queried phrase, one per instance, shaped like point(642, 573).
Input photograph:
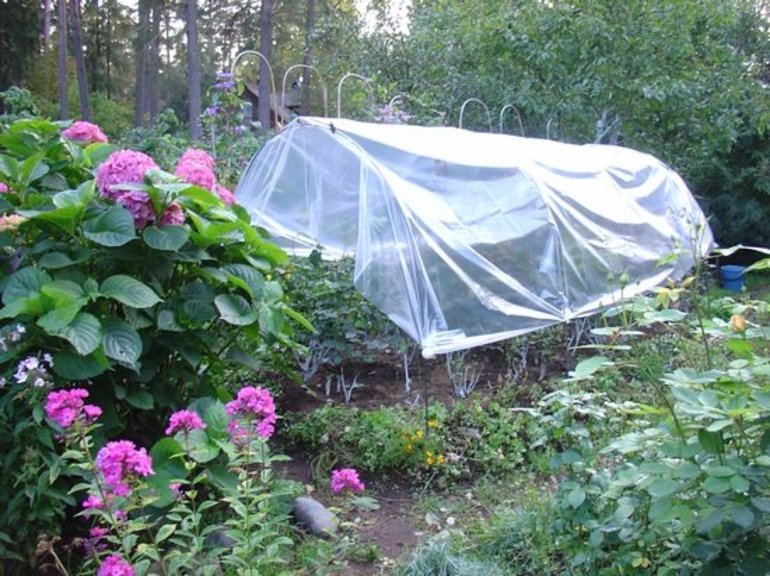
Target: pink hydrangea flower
point(66, 406)
point(198, 174)
point(93, 502)
point(184, 421)
point(140, 206)
point(122, 167)
point(174, 215)
point(196, 156)
point(119, 462)
point(85, 132)
point(255, 405)
point(225, 195)
point(4, 188)
point(346, 479)
point(114, 565)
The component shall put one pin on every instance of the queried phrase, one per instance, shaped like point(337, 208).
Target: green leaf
point(721, 471)
point(23, 282)
point(113, 227)
point(58, 260)
point(84, 333)
point(739, 484)
point(164, 532)
point(167, 322)
point(298, 318)
point(586, 368)
point(75, 367)
point(576, 497)
point(716, 485)
point(79, 197)
point(141, 399)
point(661, 487)
point(129, 291)
point(55, 320)
point(65, 218)
point(234, 309)
point(711, 442)
point(214, 415)
point(166, 238)
point(98, 152)
point(201, 450)
point(121, 342)
point(252, 280)
point(742, 516)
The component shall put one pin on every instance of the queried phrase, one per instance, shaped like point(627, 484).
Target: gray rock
point(314, 516)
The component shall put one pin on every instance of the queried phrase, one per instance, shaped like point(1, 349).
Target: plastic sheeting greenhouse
point(464, 238)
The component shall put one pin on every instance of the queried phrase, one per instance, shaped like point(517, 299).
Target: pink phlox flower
point(120, 515)
point(85, 132)
point(98, 532)
point(255, 404)
point(65, 406)
point(140, 206)
point(92, 412)
point(198, 174)
point(173, 215)
point(184, 421)
point(114, 565)
point(119, 461)
point(346, 479)
point(225, 195)
point(93, 502)
point(122, 167)
point(196, 156)
point(4, 188)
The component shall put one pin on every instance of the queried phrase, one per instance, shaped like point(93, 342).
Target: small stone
point(314, 516)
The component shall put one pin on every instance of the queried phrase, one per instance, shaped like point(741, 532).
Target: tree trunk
point(46, 24)
point(153, 61)
point(62, 31)
point(266, 12)
point(142, 33)
point(80, 60)
point(193, 70)
point(307, 57)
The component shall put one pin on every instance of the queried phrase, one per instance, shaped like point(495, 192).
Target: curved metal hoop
point(486, 109)
point(339, 89)
point(324, 91)
point(518, 117)
point(269, 69)
point(548, 128)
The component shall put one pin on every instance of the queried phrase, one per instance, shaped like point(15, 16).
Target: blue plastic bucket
point(732, 277)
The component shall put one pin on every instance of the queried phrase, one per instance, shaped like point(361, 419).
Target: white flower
point(39, 383)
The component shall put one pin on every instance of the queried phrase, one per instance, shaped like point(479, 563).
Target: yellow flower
point(440, 459)
point(408, 447)
point(418, 435)
point(432, 423)
point(737, 323)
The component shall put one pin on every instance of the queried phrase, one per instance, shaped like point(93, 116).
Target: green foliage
point(17, 102)
point(148, 316)
point(436, 558)
point(346, 326)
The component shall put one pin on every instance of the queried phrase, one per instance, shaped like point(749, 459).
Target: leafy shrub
point(148, 314)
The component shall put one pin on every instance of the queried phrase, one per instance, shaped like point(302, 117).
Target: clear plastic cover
point(464, 238)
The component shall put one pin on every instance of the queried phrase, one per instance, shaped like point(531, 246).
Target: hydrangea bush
point(138, 285)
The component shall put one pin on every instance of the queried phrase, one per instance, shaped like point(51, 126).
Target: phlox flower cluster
point(84, 132)
point(13, 337)
point(4, 188)
point(66, 407)
point(184, 421)
point(34, 370)
point(224, 81)
point(346, 479)
point(114, 565)
point(253, 406)
point(119, 462)
point(197, 167)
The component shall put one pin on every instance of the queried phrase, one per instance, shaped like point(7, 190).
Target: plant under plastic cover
point(464, 238)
